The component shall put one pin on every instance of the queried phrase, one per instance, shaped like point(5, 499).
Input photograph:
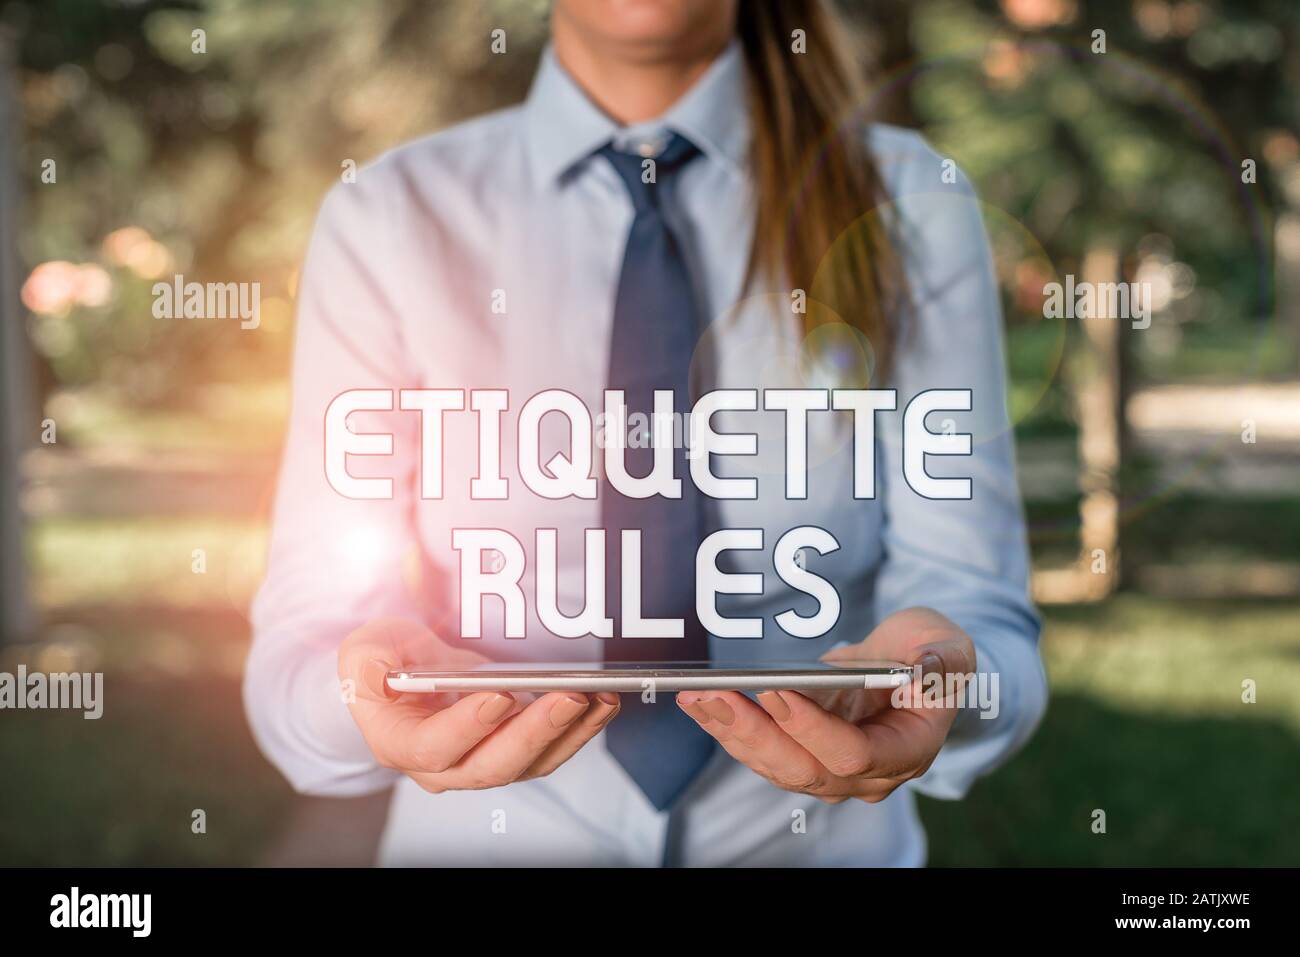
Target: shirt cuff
point(335, 759)
point(995, 720)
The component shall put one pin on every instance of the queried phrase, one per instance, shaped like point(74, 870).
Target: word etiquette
point(570, 474)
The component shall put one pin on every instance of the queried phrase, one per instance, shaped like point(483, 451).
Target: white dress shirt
point(487, 256)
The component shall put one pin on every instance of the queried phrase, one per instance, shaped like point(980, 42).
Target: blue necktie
point(655, 331)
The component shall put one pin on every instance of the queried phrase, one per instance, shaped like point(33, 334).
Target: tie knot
point(641, 173)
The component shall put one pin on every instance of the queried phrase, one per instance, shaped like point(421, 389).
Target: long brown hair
point(798, 101)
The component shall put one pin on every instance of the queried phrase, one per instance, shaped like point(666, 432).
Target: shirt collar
point(563, 125)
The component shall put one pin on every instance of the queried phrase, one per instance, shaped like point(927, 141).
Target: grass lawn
point(122, 790)
point(1146, 723)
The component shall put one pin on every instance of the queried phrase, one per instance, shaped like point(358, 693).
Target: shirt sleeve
point(967, 559)
point(334, 562)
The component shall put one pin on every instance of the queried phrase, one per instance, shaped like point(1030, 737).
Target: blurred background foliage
point(211, 164)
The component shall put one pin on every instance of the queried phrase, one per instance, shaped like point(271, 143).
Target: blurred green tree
point(211, 163)
point(1116, 132)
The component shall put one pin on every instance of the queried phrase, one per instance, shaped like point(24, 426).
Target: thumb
point(377, 647)
point(949, 658)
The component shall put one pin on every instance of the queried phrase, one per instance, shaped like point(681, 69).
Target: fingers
point(377, 647)
point(851, 704)
point(369, 653)
point(923, 638)
point(798, 746)
point(951, 659)
point(602, 711)
point(507, 755)
point(752, 737)
point(406, 736)
point(447, 741)
point(897, 636)
point(956, 652)
point(891, 745)
point(907, 635)
point(837, 744)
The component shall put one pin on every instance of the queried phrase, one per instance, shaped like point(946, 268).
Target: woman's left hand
point(846, 744)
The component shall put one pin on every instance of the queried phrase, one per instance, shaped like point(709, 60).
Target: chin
point(650, 25)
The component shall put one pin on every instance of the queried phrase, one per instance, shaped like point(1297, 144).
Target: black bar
point(588, 908)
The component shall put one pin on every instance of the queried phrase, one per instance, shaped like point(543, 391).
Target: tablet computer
point(667, 676)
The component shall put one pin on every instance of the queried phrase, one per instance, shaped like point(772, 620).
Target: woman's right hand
point(446, 742)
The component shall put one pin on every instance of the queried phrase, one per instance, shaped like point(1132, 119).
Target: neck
point(632, 89)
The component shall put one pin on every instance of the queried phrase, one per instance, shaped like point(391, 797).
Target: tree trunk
point(16, 424)
point(1099, 380)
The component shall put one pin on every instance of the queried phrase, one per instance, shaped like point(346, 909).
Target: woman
point(683, 202)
